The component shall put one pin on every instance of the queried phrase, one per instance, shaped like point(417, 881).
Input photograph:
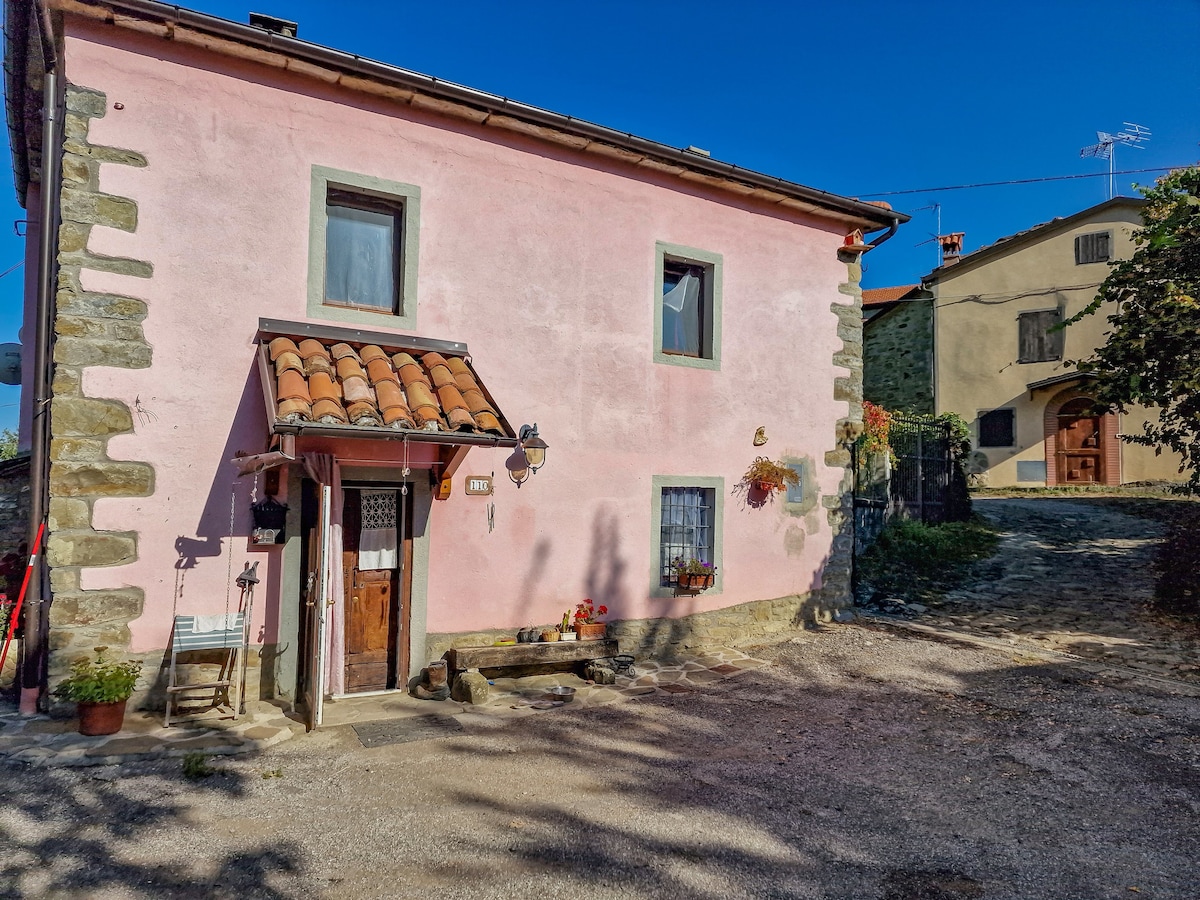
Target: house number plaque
point(479, 484)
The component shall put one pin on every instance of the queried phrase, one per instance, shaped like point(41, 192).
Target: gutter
point(33, 668)
point(870, 215)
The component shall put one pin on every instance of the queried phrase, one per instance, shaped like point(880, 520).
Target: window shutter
point(1053, 339)
point(996, 429)
point(1092, 248)
point(1037, 343)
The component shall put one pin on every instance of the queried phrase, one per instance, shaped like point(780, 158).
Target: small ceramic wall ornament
point(760, 436)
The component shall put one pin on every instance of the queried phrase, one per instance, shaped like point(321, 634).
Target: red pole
point(16, 610)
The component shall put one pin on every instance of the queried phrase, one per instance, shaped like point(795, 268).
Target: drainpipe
point(34, 658)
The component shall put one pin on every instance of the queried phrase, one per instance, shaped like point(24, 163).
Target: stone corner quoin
point(91, 329)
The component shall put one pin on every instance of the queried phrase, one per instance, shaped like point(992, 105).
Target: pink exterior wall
point(540, 260)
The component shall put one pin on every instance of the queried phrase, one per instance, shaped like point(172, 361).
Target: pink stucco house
point(261, 269)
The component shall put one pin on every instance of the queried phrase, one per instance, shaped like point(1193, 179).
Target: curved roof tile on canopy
point(373, 384)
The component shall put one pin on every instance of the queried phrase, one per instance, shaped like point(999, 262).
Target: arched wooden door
point(1080, 456)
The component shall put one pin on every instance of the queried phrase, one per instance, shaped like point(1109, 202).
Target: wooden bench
point(460, 659)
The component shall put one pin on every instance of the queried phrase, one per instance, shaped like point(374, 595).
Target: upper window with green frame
point(363, 242)
point(687, 325)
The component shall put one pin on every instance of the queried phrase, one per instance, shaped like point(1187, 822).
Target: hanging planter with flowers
point(769, 476)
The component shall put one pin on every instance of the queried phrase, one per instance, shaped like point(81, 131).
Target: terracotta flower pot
point(594, 631)
point(101, 718)
point(696, 582)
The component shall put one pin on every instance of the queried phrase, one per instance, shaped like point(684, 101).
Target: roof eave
point(1029, 236)
point(854, 213)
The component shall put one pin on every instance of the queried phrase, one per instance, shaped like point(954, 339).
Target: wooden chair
point(185, 639)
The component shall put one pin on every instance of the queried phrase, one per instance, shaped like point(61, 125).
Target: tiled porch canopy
point(348, 382)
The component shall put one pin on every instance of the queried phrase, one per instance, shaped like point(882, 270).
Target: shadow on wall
point(604, 578)
point(227, 506)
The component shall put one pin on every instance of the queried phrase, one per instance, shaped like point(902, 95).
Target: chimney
point(951, 247)
point(274, 24)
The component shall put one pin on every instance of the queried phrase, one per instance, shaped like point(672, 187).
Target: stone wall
point(91, 329)
point(733, 626)
point(835, 591)
point(14, 522)
point(898, 361)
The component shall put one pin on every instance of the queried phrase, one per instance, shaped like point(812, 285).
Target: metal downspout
point(34, 657)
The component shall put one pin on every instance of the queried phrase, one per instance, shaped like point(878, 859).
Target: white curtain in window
point(358, 260)
point(681, 316)
point(377, 540)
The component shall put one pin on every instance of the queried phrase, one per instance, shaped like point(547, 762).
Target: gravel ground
point(860, 763)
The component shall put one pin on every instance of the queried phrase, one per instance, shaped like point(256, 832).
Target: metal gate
point(921, 479)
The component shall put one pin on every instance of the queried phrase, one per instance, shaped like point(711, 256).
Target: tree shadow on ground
point(936, 782)
point(78, 832)
point(859, 764)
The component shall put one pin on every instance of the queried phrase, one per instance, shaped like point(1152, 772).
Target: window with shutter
point(1037, 341)
point(1092, 248)
point(996, 429)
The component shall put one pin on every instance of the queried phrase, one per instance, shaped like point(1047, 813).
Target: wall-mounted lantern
point(527, 458)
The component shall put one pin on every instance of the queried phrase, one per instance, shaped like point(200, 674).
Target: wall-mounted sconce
point(527, 458)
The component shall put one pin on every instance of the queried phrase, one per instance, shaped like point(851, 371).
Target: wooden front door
point(377, 605)
point(1080, 447)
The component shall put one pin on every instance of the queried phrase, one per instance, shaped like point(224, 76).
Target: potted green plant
point(100, 687)
point(587, 625)
point(769, 476)
point(694, 574)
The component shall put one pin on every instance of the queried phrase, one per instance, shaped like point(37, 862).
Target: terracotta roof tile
point(875, 296)
point(380, 369)
point(279, 345)
point(340, 383)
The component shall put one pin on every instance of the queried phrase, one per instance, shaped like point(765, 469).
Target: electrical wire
point(983, 184)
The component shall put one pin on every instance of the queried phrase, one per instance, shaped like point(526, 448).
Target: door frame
point(405, 517)
point(1110, 443)
point(290, 663)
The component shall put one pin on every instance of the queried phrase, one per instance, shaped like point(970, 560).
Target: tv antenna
point(1105, 146)
point(934, 238)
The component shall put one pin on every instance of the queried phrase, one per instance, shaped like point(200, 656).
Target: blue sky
point(855, 98)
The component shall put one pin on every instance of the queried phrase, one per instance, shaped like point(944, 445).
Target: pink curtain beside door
point(323, 468)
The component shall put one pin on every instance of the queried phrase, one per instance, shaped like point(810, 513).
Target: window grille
point(687, 527)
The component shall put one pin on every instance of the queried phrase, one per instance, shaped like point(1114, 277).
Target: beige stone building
point(999, 362)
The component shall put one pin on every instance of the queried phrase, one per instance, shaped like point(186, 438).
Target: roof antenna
point(1104, 148)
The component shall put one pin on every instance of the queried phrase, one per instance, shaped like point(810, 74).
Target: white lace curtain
point(377, 540)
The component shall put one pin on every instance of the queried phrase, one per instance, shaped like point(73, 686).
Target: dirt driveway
point(859, 763)
point(1077, 577)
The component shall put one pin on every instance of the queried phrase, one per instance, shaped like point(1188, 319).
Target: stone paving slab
point(43, 741)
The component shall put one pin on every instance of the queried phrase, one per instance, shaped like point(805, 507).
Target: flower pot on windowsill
point(696, 582)
point(591, 631)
